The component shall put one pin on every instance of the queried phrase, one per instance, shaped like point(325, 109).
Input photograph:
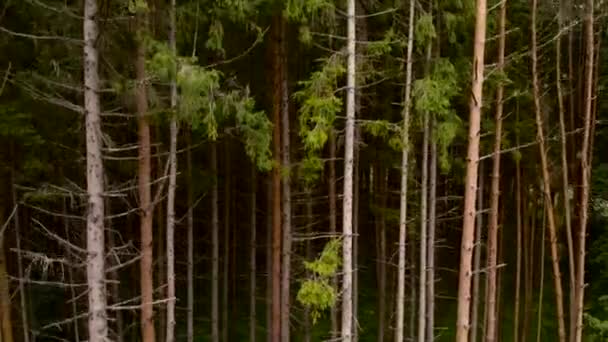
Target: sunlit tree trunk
point(477, 257)
point(430, 295)
point(347, 207)
point(96, 280)
point(468, 226)
point(400, 298)
point(547, 182)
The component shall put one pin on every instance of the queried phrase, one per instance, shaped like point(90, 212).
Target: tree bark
point(468, 226)
point(542, 277)
point(21, 284)
point(332, 220)
point(98, 320)
point(276, 180)
point(519, 246)
point(6, 328)
point(547, 182)
point(269, 257)
point(309, 256)
point(430, 296)
point(585, 167)
point(423, 223)
point(226, 257)
point(477, 256)
point(381, 262)
point(215, 253)
point(170, 334)
point(190, 237)
point(252, 257)
point(347, 207)
point(399, 330)
point(491, 293)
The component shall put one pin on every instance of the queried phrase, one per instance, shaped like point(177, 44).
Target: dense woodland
point(303, 170)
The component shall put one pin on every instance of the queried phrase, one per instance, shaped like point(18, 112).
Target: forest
point(303, 170)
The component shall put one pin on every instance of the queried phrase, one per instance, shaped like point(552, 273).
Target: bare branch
point(59, 238)
point(38, 37)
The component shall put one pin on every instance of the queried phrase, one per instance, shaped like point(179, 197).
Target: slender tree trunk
point(6, 328)
point(423, 226)
point(226, 257)
point(21, 283)
point(215, 253)
point(309, 256)
point(491, 293)
point(277, 234)
point(190, 218)
point(468, 230)
point(529, 261)
point(170, 334)
point(542, 277)
point(585, 167)
point(478, 251)
point(332, 220)
point(144, 186)
point(285, 193)
point(253, 257)
point(115, 286)
point(519, 246)
point(381, 262)
point(269, 258)
point(499, 275)
point(399, 331)
point(347, 207)
point(413, 287)
point(547, 183)
point(98, 320)
point(430, 296)
point(564, 164)
point(356, 189)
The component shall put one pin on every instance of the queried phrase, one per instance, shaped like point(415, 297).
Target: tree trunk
point(347, 208)
point(468, 226)
point(491, 293)
point(269, 258)
point(528, 240)
point(226, 257)
point(332, 220)
point(144, 186)
point(585, 168)
point(356, 189)
point(423, 222)
point(547, 182)
point(519, 246)
point(285, 192)
point(381, 262)
point(399, 331)
point(252, 257)
point(430, 296)
point(277, 234)
point(98, 320)
point(215, 241)
point(17, 225)
point(6, 329)
point(190, 262)
point(170, 334)
point(542, 277)
point(309, 256)
point(478, 251)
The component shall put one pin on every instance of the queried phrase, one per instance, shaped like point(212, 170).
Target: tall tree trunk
point(430, 296)
point(144, 185)
point(585, 167)
point(309, 256)
point(277, 234)
point(519, 246)
point(190, 237)
point(21, 283)
point(356, 189)
point(400, 298)
point(115, 286)
point(547, 182)
point(215, 253)
point(98, 320)
point(332, 220)
point(564, 164)
point(6, 328)
point(285, 192)
point(478, 251)
point(423, 223)
point(170, 334)
point(468, 226)
point(347, 207)
point(528, 240)
point(541, 286)
point(381, 262)
point(226, 257)
point(269, 257)
point(491, 293)
point(252, 257)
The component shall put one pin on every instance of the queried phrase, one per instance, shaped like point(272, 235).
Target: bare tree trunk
point(269, 258)
point(564, 160)
point(73, 296)
point(276, 180)
point(430, 296)
point(356, 189)
point(6, 328)
point(144, 185)
point(215, 253)
point(347, 208)
point(547, 183)
point(477, 257)
point(190, 217)
point(585, 167)
point(399, 331)
point(542, 276)
point(170, 334)
point(226, 258)
point(17, 225)
point(309, 256)
point(381, 257)
point(332, 220)
point(491, 293)
point(252, 257)
point(413, 287)
point(529, 229)
point(519, 246)
point(468, 227)
point(285, 193)
point(423, 224)
point(98, 320)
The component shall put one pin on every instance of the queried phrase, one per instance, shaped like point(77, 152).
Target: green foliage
point(138, 6)
point(301, 10)
point(597, 329)
point(383, 46)
point(424, 31)
point(216, 37)
point(317, 293)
